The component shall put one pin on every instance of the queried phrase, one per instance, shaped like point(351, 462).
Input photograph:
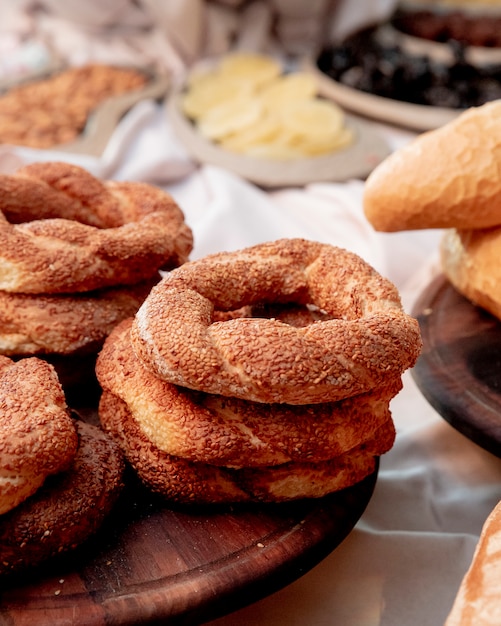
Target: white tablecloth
point(402, 564)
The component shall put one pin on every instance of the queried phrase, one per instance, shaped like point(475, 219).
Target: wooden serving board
point(156, 563)
point(459, 370)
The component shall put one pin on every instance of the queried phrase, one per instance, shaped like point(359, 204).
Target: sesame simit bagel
point(368, 341)
point(62, 231)
point(37, 434)
point(65, 323)
point(185, 481)
point(68, 508)
point(231, 432)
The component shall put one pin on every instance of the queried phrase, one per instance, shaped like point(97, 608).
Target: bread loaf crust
point(470, 261)
point(445, 178)
point(477, 602)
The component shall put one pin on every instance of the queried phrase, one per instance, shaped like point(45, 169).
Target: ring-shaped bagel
point(369, 340)
point(65, 324)
point(231, 432)
point(185, 481)
point(37, 434)
point(63, 231)
point(68, 508)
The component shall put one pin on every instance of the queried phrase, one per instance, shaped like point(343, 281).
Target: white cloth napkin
point(228, 213)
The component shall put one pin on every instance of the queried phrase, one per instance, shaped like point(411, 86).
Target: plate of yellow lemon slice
point(245, 112)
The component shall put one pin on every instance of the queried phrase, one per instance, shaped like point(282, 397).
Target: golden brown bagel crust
point(68, 508)
point(236, 433)
point(264, 360)
point(37, 434)
point(63, 231)
point(445, 178)
point(65, 324)
point(190, 482)
point(470, 260)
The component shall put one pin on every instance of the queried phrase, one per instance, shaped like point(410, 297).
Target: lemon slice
point(257, 69)
point(211, 91)
point(289, 88)
point(318, 119)
point(310, 147)
point(231, 116)
point(264, 130)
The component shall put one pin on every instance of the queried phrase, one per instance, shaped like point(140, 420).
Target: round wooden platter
point(155, 563)
point(355, 161)
point(459, 370)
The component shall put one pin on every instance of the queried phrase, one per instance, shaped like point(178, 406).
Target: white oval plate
point(104, 119)
point(355, 161)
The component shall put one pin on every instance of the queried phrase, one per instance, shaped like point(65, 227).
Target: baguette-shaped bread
point(445, 178)
point(478, 602)
point(470, 260)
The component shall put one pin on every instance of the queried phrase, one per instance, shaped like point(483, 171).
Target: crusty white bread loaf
point(446, 178)
point(478, 600)
point(470, 260)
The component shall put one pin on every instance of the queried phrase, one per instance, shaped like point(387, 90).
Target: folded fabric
point(228, 213)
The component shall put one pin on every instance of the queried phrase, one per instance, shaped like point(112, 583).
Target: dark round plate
point(459, 370)
point(415, 117)
point(153, 563)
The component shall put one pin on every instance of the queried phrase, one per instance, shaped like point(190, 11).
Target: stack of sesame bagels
point(263, 374)
point(449, 178)
point(78, 255)
point(59, 477)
